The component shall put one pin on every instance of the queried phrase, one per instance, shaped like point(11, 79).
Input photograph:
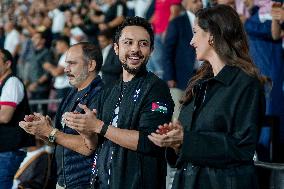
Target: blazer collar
point(226, 75)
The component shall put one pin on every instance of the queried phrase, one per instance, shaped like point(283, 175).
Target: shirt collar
point(107, 48)
point(191, 17)
point(226, 75)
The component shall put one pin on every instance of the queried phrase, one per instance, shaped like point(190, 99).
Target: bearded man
point(126, 114)
point(73, 159)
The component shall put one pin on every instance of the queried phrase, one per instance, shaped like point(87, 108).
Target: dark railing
point(271, 173)
point(40, 103)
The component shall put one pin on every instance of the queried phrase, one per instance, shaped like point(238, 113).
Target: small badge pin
point(136, 95)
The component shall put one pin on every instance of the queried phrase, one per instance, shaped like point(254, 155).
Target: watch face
point(51, 139)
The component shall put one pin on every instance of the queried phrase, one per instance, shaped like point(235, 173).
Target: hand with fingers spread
point(85, 124)
point(37, 124)
point(168, 135)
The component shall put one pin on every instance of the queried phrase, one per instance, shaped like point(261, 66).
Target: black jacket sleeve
point(151, 117)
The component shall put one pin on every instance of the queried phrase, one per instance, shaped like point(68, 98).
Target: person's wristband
point(104, 129)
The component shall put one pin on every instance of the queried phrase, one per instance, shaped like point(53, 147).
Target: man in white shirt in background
point(12, 42)
point(61, 83)
point(58, 20)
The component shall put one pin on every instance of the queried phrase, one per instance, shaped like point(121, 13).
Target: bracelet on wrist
point(104, 129)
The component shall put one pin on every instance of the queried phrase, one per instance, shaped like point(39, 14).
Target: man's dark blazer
point(111, 70)
point(179, 54)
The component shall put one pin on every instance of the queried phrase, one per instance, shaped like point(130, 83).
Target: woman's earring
point(210, 42)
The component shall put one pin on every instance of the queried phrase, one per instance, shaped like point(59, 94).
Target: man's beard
point(134, 71)
point(80, 78)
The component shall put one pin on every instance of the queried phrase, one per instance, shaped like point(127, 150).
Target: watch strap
point(52, 135)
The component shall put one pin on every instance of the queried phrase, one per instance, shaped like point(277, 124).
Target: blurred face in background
point(8, 26)
point(77, 20)
point(60, 47)
point(37, 19)
point(84, 11)
point(249, 3)
point(4, 66)
point(104, 41)
point(41, 5)
point(38, 41)
point(51, 4)
point(47, 22)
point(192, 5)
point(227, 2)
point(68, 15)
point(77, 2)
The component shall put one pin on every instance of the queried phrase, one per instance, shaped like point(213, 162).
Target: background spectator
point(61, 83)
point(111, 69)
point(38, 81)
point(13, 108)
point(164, 11)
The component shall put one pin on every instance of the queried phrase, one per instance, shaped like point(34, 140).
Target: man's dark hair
point(108, 33)
point(91, 52)
point(64, 39)
point(135, 21)
point(7, 56)
point(43, 34)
